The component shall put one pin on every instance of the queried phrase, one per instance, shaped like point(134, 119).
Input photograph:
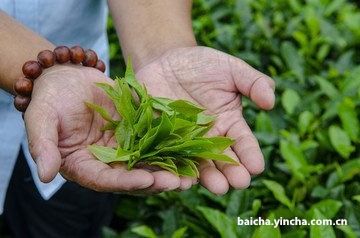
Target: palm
point(200, 82)
point(211, 79)
point(73, 126)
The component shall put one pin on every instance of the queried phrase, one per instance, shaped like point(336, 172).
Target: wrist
point(9, 75)
point(146, 31)
point(51, 62)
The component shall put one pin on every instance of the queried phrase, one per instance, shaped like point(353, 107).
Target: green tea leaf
point(161, 104)
point(172, 139)
point(294, 158)
point(193, 164)
point(223, 224)
point(341, 141)
point(188, 148)
point(326, 87)
point(346, 173)
point(102, 111)
point(185, 107)
point(112, 93)
point(213, 156)
point(110, 126)
point(199, 131)
point(356, 198)
point(289, 100)
point(349, 119)
point(104, 154)
point(145, 119)
point(144, 231)
point(239, 202)
point(347, 230)
point(130, 79)
point(265, 231)
point(164, 162)
point(220, 143)
point(263, 123)
point(278, 192)
point(162, 131)
point(185, 130)
point(186, 169)
point(180, 123)
point(293, 59)
point(126, 102)
point(179, 233)
point(122, 155)
point(147, 139)
point(305, 119)
point(321, 230)
point(124, 135)
point(327, 207)
point(203, 119)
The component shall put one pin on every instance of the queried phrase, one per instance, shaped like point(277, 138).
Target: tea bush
point(310, 140)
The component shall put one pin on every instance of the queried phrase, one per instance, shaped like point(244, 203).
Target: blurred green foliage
point(310, 140)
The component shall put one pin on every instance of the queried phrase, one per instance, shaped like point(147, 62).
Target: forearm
point(148, 28)
point(17, 45)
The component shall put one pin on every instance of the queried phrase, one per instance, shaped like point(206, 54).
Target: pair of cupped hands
point(60, 126)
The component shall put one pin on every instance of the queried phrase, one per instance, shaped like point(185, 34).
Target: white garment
point(65, 22)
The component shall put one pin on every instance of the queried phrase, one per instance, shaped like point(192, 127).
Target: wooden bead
point(100, 65)
point(32, 69)
point(23, 86)
point(90, 58)
point(62, 54)
point(21, 103)
point(46, 58)
point(77, 54)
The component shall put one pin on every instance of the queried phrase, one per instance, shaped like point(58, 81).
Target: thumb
point(42, 129)
point(252, 83)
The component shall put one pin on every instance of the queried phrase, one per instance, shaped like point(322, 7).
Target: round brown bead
point(77, 54)
point(62, 54)
point(100, 65)
point(46, 58)
point(32, 69)
point(90, 58)
point(23, 86)
point(21, 103)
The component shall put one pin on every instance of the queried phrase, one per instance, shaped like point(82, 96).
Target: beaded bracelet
point(32, 69)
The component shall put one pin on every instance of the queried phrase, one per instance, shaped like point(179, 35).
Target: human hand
point(215, 81)
point(60, 127)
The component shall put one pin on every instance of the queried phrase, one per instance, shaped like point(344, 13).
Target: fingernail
point(271, 88)
point(143, 186)
point(40, 168)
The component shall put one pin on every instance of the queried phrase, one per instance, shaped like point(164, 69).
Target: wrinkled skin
point(60, 125)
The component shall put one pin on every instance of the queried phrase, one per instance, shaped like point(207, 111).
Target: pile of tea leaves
point(157, 131)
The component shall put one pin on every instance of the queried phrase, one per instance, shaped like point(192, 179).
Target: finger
point(211, 178)
point(98, 176)
point(252, 83)
point(237, 175)
point(163, 181)
point(42, 130)
point(246, 146)
point(185, 183)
